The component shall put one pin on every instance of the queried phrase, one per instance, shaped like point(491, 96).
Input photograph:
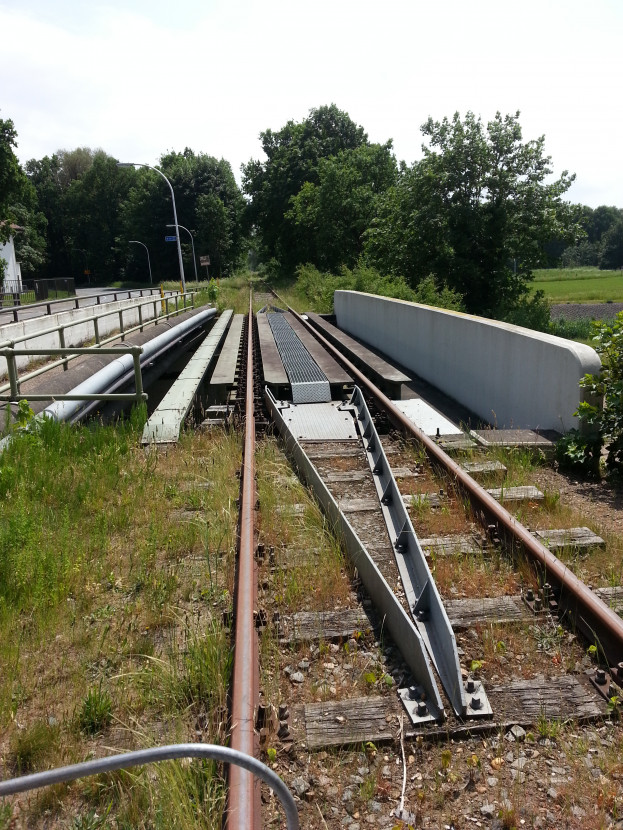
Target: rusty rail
point(244, 789)
point(599, 623)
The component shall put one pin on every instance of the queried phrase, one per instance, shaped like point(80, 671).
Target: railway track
point(405, 650)
point(366, 663)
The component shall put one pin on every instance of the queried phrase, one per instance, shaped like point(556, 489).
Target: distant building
point(12, 272)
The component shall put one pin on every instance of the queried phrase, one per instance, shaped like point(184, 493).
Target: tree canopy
point(18, 205)
point(475, 212)
point(209, 204)
point(293, 156)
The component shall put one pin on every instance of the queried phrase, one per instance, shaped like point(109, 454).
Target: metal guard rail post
point(162, 753)
point(14, 382)
point(47, 304)
point(60, 329)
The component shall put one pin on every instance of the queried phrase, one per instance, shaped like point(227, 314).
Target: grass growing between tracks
point(115, 569)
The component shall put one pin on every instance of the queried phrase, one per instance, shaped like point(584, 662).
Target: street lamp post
point(192, 242)
point(179, 247)
point(136, 242)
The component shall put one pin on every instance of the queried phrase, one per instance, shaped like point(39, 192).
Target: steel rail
point(244, 808)
point(599, 623)
point(159, 753)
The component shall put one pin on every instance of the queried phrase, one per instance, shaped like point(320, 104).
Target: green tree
point(611, 255)
point(18, 206)
point(293, 155)
point(333, 215)
point(45, 178)
point(476, 212)
point(91, 221)
point(11, 177)
point(209, 203)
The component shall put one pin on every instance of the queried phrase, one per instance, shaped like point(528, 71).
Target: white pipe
point(120, 366)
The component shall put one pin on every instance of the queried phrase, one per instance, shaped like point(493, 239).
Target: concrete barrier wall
point(78, 334)
point(507, 375)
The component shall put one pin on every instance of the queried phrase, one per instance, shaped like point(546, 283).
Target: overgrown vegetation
point(116, 568)
point(603, 425)
point(317, 289)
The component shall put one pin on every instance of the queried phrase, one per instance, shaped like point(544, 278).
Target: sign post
point(205, 260)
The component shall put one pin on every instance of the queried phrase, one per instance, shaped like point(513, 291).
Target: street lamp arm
point(179, 247)
point(192, 242)
point(138, 242)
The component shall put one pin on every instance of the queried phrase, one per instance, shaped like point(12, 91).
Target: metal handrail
point(161, 753)
point(72, 352)
point(15, 382)
point(76, 300)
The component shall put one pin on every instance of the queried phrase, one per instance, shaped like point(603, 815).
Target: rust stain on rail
point(244, 808)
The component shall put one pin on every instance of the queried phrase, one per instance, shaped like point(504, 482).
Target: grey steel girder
point(405, 634)
point(418, 583)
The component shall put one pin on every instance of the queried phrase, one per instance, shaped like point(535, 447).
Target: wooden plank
point(404, 472)
point(225, 369)
point(556, 698)
point(272, 365)
point(356, 720)
point(350, 476)
point(516, 494)
point(524, 702)
point(571, 537)
point(428, 499)
point(485, 469)
point(463, 544)
point(613, 597)
point(465, 613)
point(328, 450)
point(363, 356)
point(358, 505)
point(324, 625)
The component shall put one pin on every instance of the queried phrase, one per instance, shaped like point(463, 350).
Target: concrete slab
point(165, 423)
point(427, 418)
point(224, 373)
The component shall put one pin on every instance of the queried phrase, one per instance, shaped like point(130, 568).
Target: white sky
point(141, 77)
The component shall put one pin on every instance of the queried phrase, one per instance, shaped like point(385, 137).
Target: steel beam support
point(405, 634)
point(420, 588)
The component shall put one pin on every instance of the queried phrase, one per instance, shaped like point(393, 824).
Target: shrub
point(604, 424)
point(318, 288)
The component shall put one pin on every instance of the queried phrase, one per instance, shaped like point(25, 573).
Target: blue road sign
point(170, 239)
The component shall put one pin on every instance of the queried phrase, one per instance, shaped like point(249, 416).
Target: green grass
point(116, 567)
point(579, 285)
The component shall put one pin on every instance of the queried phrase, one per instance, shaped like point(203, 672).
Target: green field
point(579, 285)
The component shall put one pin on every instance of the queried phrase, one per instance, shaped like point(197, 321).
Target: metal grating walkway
point(309, 383)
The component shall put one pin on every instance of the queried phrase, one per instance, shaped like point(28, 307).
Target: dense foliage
point(476, 212)
point(473, 217)
point(602, 413)
point(293, 158)
point(602, 243)
point(19, 215)
point(318, 288)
